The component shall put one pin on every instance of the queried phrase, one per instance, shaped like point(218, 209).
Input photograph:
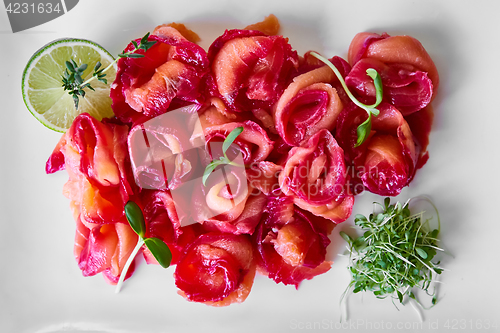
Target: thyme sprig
point(395, 253)
point(72, 77)
point(363, 129)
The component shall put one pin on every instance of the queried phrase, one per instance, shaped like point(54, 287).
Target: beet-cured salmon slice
point(386, 162)
point(270, 25)
point(253, 143)
point(161, 151)
point(127, 239)
point(225, 203)
point(214, 112)
point(221, 201)
point(105, 249)
point(170, 71)
point(263, 177)
point(235, 211)
point(402, 50)
point(163, 221)
point(98, 251)
point(408, 89)
point(310, 103)
point(315, 176)
point(249, 70)
point(95, 156)
point(291, 242)
point(216, 268)
point(421, 124)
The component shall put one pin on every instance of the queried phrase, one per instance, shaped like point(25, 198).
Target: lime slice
point(42, 83)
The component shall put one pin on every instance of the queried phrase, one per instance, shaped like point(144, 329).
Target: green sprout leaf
point(346, 237)
point(160, 251)
point(377, 81)
point(363, 130)
point(421, 252)
point(209, 169)
point(135, 218)
point(400, 296)
point(157, 247)
point(223, 159)
point(230, 138)
point(370, 109)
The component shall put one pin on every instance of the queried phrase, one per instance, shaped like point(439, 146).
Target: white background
point(41, 287)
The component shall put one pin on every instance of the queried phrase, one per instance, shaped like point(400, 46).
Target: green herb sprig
point(73, 82)
point(72, 76)
point(363, 129)
point(223, 160)
point(158, 248)
point(394, 254)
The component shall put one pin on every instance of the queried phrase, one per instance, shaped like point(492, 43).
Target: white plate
point(41, 287)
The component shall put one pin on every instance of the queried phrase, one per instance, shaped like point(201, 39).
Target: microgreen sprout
point(72, 76)
point(363, 129)
point(223, 160)
point(158, 248)
point(394, 254)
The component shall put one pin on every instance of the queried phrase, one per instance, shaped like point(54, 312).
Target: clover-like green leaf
point(160, 251)
point(135, 218)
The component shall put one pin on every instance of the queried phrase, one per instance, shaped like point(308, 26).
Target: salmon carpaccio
point(272, 212)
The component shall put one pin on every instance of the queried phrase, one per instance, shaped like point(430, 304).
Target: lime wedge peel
point(42, 88)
